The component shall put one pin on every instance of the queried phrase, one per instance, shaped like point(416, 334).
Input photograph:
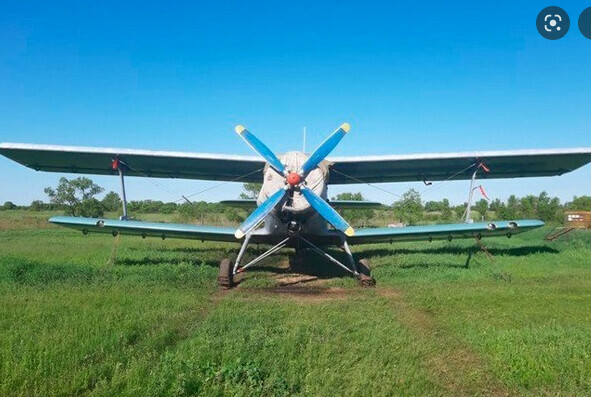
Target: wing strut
point(119, 166)
point(468, 211)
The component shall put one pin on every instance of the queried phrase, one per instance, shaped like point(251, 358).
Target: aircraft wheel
point(225, 276)
point(365, 279)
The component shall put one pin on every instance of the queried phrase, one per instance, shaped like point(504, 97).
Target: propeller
point(324, 149)
point(259, 214)
point(293, 181)
point(261, 149)
point(326, 211)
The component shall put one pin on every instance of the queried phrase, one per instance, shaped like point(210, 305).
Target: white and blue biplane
point(293, 204)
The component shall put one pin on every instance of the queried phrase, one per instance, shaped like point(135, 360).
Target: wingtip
point(346, 127)
point(350, 231)
point(239, 234)
point(239, 129)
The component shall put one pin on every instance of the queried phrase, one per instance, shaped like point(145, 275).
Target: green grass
point(96, 315)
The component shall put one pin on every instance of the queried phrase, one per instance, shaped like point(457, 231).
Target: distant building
point(578, 219)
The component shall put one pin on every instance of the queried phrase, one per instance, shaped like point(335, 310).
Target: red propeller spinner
point(293, 178)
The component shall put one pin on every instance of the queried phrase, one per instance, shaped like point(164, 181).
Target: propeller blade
point(326, 211)
point(260, 148)
point(324, 149)
point(259, 214)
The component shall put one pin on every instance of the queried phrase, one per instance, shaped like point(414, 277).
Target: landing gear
point(225, 275)
point(364, 277)
point(360, 270)
point(297, 261)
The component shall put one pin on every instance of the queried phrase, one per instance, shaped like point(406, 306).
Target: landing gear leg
point(361, 269)
point(237, 269)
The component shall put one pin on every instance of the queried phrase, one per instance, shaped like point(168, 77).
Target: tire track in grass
point(456, 368)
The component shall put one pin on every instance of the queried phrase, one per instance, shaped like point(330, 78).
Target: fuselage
point(295, 212)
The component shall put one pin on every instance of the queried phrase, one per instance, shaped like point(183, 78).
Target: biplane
point(292, 209)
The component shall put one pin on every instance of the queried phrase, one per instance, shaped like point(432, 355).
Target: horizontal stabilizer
point(354, 204)
point(338, 204)
point(241, 203)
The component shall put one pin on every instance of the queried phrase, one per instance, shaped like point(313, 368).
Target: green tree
point(495, 205)
point(357, 217)
point(445, 209)
point(91, 207)
point(73, 193)
point(36, 205)
point(432, 206)
point(346, 196)
point(251, 190)
point(528, 207)
point(581, 203)
point(549, 209)
point(511, 210)
point(111, 201)
point(481, 206)
point(9, 205)
point(460, 210)
point(234, 215)
point(409, 209)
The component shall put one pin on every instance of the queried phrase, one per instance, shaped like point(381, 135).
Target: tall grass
point(94, 315)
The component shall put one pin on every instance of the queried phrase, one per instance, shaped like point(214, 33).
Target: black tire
point(363, 267)
point(365, 279)
point(225, 276)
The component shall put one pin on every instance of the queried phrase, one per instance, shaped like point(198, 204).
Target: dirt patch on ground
point(292, 279)
point(388, 292)
point(308, 293)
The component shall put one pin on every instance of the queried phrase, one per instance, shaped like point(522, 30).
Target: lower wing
point(442, 232)
point(155, 229)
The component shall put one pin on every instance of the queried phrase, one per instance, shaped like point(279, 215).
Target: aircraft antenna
point(304, 145)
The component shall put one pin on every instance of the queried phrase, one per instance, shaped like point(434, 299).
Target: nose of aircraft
point(293, 178)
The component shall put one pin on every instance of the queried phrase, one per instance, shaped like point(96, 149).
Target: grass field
point(97, 315)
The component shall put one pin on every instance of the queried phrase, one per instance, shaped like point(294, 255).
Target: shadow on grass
point(513, 251)
point(151, 260)
point(312, 264)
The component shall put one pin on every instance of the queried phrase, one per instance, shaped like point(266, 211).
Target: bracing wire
point(366, 183)
point(186, 197)
point(218, 185)
point(429, 189)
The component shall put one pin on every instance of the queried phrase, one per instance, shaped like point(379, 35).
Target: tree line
point(78, 197)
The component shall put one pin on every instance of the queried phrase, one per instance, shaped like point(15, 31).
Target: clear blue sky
point(410, 78)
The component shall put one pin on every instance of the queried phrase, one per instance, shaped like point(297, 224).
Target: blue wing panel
point(442, 232)
point(155, 229)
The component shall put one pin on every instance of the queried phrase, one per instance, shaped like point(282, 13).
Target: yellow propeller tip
point(346, 127)
point(349, 232)
point(239, 234)
point(239, 129)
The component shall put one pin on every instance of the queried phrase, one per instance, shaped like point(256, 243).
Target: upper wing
point(150, 163)
point(456, 166)
point(162, 230)
point(344, 170)
point(442, 232)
